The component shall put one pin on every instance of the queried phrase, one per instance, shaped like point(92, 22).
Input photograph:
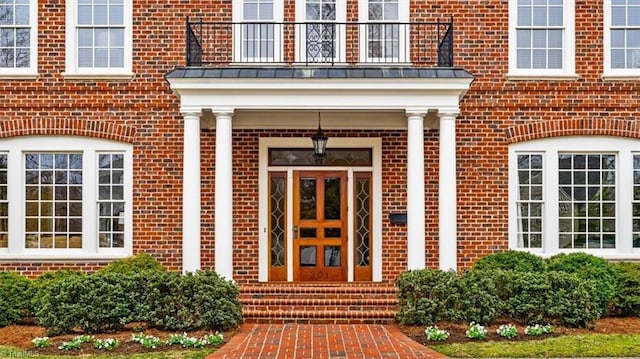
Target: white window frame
point(404, 45)
point(90, 148)
point(341, 32)
point(32, 70)
point(624, 148)
point(72, 69)
point(568, 54)
point(238, 18)
point(608, 71)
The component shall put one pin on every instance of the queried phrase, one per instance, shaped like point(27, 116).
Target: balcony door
point(258, 34)
point(384, 36)
point(320, 31)
point(320, 226)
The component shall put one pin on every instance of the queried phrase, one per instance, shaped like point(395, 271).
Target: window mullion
point(89, 212)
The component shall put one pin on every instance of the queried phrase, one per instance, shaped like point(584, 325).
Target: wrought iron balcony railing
point(332, 43)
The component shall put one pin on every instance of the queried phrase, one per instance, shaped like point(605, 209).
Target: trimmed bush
point(511, 260)
point(428, 296)
point(193, 301)
point(523, 295)
point(141, 262)
point(478, 300)
point(589, 267)
point(626, 301)
point(15, 298)
point(105, 302)
point(572, 300)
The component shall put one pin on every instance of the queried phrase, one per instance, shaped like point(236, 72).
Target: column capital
point(222, 111)
point(448, 112)
point(416, 112)
point(191, 111)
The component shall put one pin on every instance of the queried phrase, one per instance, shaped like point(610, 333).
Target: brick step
point(347, 303)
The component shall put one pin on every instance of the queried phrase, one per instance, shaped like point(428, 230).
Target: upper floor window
point(258, 37)
point(386, 36)
point(63, 196)
point(322, 32)
point(18, 37)
point(99, 37)
point(541, 37)
point(622, 37)
point(575, 193)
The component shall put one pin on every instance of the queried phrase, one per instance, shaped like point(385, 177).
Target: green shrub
point(589, 267)
point(141, 262)
point(626, 301)
point(193, 301)
point(15, 298)
point(478, 300)
point(523, 295)
point(572, 300)
point(427, 296)
point(511, 260)
point(41, 283)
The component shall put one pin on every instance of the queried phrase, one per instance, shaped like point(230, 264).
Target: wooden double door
point(320, 226)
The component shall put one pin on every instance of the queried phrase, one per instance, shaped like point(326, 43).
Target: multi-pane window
point(98, 37)
point(4, 204)
point(100, 33)
point(53, 200)
point(587, 200)
point(539, 33)
point(530, 200)
point(72, 196)
point(111, 204)
point(624, 34)
point(321, 37)
point(258, 34)
point(541, 37)
point(384, 35)
point(577, 193)
point(17, 35)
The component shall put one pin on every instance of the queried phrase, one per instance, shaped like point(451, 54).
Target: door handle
point(295, 232)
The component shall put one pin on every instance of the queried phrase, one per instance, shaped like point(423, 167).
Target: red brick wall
point(143, 111)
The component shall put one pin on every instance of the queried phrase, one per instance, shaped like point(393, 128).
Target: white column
point(224, 195)
point(415, 191)
point(191, 192)
point(447, 231)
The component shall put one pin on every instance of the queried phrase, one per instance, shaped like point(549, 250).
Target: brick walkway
point(329, 341)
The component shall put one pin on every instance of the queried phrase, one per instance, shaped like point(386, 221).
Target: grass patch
point(10, 352)
point(593, 345)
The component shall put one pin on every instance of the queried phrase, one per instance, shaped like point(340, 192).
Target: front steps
point(330, 303)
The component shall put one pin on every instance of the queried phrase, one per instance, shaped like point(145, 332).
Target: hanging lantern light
point(319, 140)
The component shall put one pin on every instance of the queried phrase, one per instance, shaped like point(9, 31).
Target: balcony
point(416, 44)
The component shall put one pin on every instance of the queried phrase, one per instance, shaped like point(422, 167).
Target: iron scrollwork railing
point(415, 43)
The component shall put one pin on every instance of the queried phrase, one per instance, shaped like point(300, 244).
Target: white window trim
point(405, 46)
point(624, 148)
point(376, 206)
point(568, 69)
point(90, 148)
point(609, 73)
point(32, 70)
point(238, 17)
point(341, 36)
point(72, 71)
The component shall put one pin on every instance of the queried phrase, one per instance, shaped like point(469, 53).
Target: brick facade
point(143, 111)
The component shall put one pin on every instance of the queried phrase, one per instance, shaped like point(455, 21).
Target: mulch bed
point(457, 331)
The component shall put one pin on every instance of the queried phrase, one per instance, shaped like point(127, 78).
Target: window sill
point(60, 257)
point(620, 77)
point(541, 77)
point(97, 76)
point(18, 76)
point(607, 254)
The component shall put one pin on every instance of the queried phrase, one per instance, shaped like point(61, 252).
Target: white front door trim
point(344, 142)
